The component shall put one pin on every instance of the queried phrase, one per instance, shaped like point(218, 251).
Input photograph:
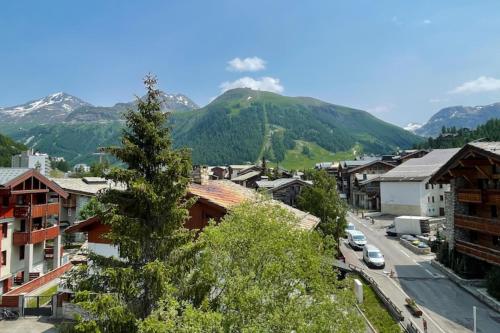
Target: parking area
point(28, 325)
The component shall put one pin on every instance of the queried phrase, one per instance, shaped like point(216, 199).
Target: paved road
point(447, 308)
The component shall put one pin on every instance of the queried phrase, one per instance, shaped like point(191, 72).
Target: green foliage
point(453, 137)
point(322, 200)
point(236, 128)
point(262, 274)
point(295, 158)
point(9, 147)
point(377, 313)
point(92, 208)
point(146, 221)
point(493, 282)
point(60, 165)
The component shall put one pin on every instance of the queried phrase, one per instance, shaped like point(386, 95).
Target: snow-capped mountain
point(50, 109)
point(460, 117)
point(61, 107)
point(412, 127)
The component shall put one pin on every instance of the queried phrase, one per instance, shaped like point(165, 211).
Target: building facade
point(30, 239)
point(286, 190)
point(32, 160)
point(405, 190)
point(472, 217)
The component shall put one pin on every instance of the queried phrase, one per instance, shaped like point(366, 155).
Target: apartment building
point(32, 160)
point(30, 240)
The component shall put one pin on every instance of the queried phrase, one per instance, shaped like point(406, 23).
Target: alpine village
point(258, 212)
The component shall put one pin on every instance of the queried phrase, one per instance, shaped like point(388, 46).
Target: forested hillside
point(241, 125)
point(452, 137)
point(8, 147)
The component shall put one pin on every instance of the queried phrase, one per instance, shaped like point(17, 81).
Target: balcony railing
point(45, 209)
point(478, 251)
point(481, 224)
point(21, 211)
point(489, 196)
point(470, 195)
point(34, 237)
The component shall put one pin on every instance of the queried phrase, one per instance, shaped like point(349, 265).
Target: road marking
point(416, 263)
point(406, 254)
point(423, 312)
point(428, 271)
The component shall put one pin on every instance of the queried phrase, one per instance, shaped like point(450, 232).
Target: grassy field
point(376, 312)
point(296, 160)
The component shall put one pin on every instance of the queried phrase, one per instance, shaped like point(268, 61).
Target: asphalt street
point(447, 308)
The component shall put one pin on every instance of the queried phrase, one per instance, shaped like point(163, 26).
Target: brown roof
point(226, 194)
point(11, 177)
point(83, 226)
point(367, 165)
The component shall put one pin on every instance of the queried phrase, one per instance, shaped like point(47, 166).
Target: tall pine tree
point(146, 220)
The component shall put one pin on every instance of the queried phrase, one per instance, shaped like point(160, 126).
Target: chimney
point(200, 174)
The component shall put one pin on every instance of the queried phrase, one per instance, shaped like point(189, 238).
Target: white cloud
point(481, 84)
point(426, 21)
point(265, 83)
point(380, 109)
point(252, 64)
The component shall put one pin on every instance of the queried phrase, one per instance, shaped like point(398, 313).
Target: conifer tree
point(146, 220)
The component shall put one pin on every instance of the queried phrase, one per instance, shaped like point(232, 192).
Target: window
point(4, 257)
point(432, 198)
point(427, 186)
point(4, 229)
point(428, 199)
point(473, 236)
point(5, 201)
point(494, 211)
point(21, 252)
point(441, 198)
point(440, 185)
point(496, 240)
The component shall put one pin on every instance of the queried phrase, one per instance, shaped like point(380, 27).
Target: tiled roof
point(227, 194)
point(89, 187)
point(8, 174)
point(417, 169)
point(279, 182)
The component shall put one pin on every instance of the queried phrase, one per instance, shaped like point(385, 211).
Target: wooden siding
point(22, 238)
point(470, 195)
point(479, 252)
point(481, 224)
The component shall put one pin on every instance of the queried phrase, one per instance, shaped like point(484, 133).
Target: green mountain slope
point(8, 147)
point(242, 125)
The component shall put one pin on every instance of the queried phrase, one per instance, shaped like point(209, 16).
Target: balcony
point(21, 211)
point(45, 209)
point(479, 252)
point(470, 195)
point(36, 236)
point(481, 224)
point(493, 197)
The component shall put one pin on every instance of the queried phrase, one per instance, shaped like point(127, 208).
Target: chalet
point(248, 179)
point(473, 202)
point(405, 190)
point(30, 240)
point(362, 196)
point(285, 190)
point(214, 199)
point(344, 174)
point(80, 191)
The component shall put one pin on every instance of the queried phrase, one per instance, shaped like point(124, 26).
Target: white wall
point(411, 198)
point(106, 250)
point(7, 246)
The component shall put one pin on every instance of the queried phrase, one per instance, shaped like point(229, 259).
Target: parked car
point(422, 245)
point(349, 227)
point(356, 239)
point(373, 257)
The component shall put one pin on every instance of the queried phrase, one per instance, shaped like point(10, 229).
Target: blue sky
point(400, 60)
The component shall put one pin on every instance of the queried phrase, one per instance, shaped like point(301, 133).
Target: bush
point(493, 282)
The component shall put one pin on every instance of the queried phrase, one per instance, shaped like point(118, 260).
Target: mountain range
point(241, 125)
point(62, 107)
point(456, 116)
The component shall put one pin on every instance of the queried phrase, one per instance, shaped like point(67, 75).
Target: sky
point(400, 60)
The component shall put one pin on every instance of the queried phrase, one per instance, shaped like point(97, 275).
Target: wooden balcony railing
point(493, 197)
point(470, 195)
point(479, 252)
point(481, 224)
point(34, 237)
point(45, 209)
point(21, 211)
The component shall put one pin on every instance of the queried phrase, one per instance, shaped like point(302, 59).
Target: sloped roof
point(226, 194)
point(278, 183)
point(246, 176)
point(360, 162)
point(369, 164)
point(9, 174)
point(488, 149)
point(88, 186)
point(418, 169)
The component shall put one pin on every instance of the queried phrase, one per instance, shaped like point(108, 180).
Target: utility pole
point(475, 318)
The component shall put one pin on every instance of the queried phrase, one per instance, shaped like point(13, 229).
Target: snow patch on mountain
point(412, 127)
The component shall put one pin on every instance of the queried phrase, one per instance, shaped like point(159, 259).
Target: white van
point(373, 257)
point(349, 227)
point(356, 239)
